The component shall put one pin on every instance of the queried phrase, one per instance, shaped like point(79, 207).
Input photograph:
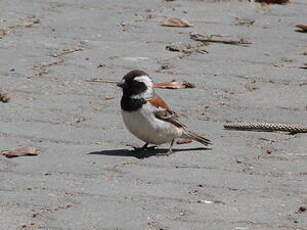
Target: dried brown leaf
point(302, 27)
point(4, 97)
point(3, 32)
point(183, 141)
point(272, 1)
point(176, 22)
point(23, 151)
point(174, 85)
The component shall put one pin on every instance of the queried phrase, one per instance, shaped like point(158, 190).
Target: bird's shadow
point(140, 154)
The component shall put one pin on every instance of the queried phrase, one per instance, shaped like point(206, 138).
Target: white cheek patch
point(147, 95)
point(145, 79)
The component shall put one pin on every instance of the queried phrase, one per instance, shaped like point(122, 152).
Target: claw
point(143, 148)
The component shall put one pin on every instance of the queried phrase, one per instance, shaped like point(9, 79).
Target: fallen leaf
point(174, 85)
point(109, 98)
point(183, 141)
point(302, 27)
point(3, 32)
point(23, 151)
point(272, 1)
point(176, 22)
point(4, 97)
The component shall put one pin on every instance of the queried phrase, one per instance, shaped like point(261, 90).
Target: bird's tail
point(196, 137)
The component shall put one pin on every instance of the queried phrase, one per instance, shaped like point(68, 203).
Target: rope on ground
point(268, 127)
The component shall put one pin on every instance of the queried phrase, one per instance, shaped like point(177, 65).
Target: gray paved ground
point(85, 178)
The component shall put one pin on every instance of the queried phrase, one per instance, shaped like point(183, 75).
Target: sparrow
point(147, 116)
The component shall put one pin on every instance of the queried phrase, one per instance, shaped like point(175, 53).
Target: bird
point(147, 116)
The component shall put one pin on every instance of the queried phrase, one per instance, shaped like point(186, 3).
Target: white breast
point(145, 126)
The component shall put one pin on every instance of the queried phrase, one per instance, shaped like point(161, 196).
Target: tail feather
point(196, 137)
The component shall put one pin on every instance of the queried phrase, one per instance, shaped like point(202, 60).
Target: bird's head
point(137, 84)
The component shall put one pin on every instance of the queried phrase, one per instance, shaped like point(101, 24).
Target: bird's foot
point(143, 148)
point(169, 152)
point(165, 154)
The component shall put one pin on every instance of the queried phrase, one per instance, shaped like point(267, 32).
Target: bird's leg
point(170, 147)
point(169, 152)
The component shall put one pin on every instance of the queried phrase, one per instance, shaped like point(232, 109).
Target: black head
point(136, 83)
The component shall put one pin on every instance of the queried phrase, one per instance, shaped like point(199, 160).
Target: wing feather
point(170, 116)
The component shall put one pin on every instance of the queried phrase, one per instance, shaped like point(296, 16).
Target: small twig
point(97, 80)
point(187, 49)
point(65, 52)
point(164, 85)
point(174, 85)
point(43, 67)
point(208, 39)
point(61, 61)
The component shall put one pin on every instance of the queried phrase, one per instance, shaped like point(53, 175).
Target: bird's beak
point(121, 84)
